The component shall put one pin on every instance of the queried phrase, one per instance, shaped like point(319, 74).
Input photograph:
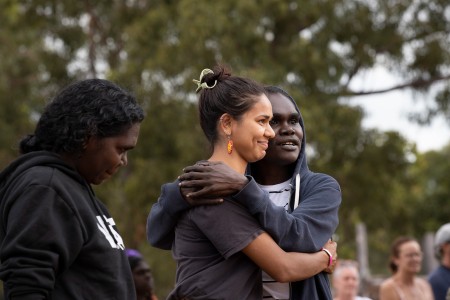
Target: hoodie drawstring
point(297, 190)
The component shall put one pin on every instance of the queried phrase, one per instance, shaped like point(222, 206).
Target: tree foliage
point(313, 48)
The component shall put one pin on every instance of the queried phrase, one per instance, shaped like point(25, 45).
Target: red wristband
point(329, 255)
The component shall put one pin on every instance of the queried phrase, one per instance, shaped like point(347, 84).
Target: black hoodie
point(57, 240)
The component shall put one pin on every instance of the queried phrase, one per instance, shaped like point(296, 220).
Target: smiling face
point(102, 157)
point(285, 147)
point(251, 133)
point(409, 257)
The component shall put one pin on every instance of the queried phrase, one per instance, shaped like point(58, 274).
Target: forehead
point(281, 104)
point(142, 265)
point(128, 138)
point(409, 247)
point(349, 271)
point(262, 106)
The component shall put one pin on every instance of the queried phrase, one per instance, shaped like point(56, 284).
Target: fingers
point(194, 168)
point(194, 190)
point(201, 166)
point(333, 248)
point(331, 268)
point(191, 183)
point(195, 173)
point(195, 194)
point(196, 198)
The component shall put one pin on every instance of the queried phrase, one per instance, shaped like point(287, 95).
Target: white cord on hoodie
point(297, 190)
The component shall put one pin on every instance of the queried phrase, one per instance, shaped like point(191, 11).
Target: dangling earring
point(230, 145)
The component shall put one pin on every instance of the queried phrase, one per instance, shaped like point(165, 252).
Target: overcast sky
point(389, 111)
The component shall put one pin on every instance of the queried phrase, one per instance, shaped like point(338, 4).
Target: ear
point(90, 142)
point(225, 122)
point(395, 260)
point(87, 141)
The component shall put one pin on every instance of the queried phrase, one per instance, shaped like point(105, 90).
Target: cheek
point(263, 130)
point(246, 139)
point(117, 160)
point(111, 159)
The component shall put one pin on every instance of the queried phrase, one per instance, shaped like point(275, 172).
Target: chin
point(286, 157)
point(261, 156)
point(255, 158)
point(97, 181)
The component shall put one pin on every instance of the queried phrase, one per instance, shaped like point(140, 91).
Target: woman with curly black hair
point(57, 240)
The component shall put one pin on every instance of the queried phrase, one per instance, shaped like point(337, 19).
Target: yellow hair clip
point(204, 85)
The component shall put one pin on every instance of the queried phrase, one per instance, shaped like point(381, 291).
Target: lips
point(287, 140)
point(288, 144)
point(265, 145)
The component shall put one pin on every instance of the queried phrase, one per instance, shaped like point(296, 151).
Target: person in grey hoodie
point(297, 207)
point(57, 239)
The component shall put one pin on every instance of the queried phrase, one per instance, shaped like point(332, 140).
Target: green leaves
point(314, 49)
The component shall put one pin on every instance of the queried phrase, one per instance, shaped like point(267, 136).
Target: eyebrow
point(266, 116)
point(127, 147)
point(294, 114)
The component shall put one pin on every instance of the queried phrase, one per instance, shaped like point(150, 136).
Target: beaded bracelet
point(329, 255)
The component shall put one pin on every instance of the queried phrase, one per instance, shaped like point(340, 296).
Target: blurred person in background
point(346, 281)
point(142, 276)
point(440, 277)
point(405, 264)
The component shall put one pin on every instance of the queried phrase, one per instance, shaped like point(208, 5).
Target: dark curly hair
point(84, 109)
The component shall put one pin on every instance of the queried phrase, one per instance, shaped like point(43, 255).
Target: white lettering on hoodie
point(116, 240)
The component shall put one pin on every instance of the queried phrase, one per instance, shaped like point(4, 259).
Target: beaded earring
point(230, 145)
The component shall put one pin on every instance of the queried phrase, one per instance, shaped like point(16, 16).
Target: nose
point(287, 129)
point(124, 160)
point(269, 132)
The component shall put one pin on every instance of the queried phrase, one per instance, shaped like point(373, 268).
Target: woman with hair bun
point(297, 206)
point(221, 249)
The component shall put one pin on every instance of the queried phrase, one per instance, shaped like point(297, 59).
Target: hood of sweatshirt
point(32, 159)
point(44, 159)
point(301, 170)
